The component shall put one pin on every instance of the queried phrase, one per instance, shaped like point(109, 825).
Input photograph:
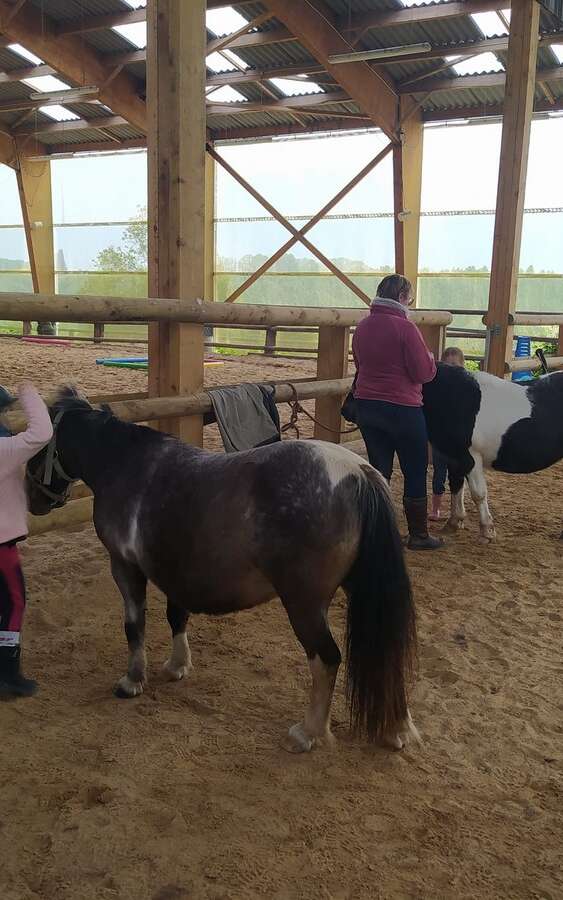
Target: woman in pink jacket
point(393, 363)
point(15, 451)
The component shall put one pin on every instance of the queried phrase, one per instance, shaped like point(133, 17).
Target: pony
point(222, 533)
point(478, 422)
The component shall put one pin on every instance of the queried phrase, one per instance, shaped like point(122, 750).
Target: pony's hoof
point(452, 526)
point(174, 673)
point(125, 688)
point(488, 535)
point(393, 741)
point(297, 741)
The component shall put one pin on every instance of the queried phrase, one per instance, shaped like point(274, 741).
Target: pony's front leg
point(133, 586)
point(478, 488)
point(323, 655)
point(180, 661)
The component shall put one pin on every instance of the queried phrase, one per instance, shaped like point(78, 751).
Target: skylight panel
point(218, 63)
point(25, 54)
point(489, 23)
point(414, 2)
point(484, 62)
point(558, 50)
point(224, 21)
point(135, 33)
point(293, 87)
point(46, 83)
point(234, 58)
point(59, 113)
point(227, 94)
point(136, 4)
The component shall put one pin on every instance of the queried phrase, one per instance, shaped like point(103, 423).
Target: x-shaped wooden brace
point(299, 235)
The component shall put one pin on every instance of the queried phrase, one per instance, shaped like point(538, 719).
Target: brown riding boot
point(416, 513)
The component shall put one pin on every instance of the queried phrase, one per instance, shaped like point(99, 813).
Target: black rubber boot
point(12, 681)
point(416, 512)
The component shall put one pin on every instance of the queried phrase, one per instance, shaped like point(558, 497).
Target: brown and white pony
point(218, 534)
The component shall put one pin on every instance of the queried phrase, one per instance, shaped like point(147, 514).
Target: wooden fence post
point(99, 329)
point(434, 338)
point(332, 362)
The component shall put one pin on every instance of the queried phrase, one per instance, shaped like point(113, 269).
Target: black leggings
point(388, 428)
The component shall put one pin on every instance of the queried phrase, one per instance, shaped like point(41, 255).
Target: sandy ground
point(185, 792)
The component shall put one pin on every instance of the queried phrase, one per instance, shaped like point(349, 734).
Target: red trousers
point(12, 595)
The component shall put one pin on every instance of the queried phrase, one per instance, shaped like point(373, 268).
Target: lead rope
point(296, 408)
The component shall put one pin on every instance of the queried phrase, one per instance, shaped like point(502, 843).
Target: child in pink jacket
point(15, 451)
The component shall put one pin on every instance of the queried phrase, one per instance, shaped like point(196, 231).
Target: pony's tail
point(381, 627)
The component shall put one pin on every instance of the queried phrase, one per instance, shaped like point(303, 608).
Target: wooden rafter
point(493, 110)
point(74, 60)
point(257, 75)
point(315, 31)
point(472, 82)
point(97, 23)
point(228, 39)
point(412, 15)
point(93, 147)
point(73, 125)
point(300, 102)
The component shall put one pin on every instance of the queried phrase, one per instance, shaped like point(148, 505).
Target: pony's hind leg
point(478, 488)
point(133, 586)
point(311, 628)
point(180, 661)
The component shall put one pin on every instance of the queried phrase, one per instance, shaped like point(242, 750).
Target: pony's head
point(49, 477)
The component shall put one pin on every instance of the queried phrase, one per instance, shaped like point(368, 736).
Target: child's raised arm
point(17, 450)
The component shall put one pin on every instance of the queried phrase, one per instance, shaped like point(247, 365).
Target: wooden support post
point(560, 342)
point(332, 362)
point(34, 187)
point(434, 338)
point(518, 108)
point(407, 184)
point(176, 170)
point(99, 329)
point(209, 293)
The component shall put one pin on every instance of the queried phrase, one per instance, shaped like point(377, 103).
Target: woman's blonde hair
point(392, 286)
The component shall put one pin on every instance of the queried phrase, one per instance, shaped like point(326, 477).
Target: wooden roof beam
point(26, 72)
point(413, 15)
point(492, 111)
point(74, 60)
point(257, 75)
point(315, 31)
point(97, 23)
point(94, 147)
point(74, 125)
point(472, 82)
point(299, 102)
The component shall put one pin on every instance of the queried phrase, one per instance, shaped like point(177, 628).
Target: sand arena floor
point(185, 792)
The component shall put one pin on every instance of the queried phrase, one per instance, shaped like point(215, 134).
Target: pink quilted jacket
point(14, 453)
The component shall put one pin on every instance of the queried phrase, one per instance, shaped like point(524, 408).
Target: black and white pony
point(218, 534)
point(482, 422)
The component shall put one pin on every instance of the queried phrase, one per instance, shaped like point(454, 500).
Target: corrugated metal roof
point(446, 32)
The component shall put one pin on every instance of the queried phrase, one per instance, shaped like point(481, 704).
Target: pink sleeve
point(419, 361)
point(17, 450)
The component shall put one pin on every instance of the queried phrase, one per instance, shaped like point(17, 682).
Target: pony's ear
point(69, 392)
point(69, 397)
